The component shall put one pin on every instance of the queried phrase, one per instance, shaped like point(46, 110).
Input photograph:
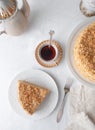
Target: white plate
point(70, 56)
point(40, 78)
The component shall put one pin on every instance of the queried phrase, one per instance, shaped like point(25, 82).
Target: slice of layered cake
point(31, 95)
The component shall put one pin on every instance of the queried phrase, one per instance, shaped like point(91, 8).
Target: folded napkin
point(82, 108)
point(81, 122)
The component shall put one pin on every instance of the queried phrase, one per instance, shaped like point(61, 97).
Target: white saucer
point(40, 78)
point(54, 62)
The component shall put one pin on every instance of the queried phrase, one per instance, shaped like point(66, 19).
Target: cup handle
point(1, 32)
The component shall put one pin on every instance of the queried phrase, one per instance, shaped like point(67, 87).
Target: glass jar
point(14, 16)
point(87, 7)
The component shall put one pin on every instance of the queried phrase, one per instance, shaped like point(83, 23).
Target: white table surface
point(17, 54)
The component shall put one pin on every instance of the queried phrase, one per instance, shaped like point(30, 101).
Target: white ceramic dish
point(56, 60)
point(40, 78)
point(70, 56)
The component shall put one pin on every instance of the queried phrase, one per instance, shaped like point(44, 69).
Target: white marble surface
point(17, 53)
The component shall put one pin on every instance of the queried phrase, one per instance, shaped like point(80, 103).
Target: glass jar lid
point(7, 8)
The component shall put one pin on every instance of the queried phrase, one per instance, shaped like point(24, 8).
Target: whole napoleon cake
point(84, 52)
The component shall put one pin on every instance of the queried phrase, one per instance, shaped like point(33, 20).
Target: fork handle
point(60, 112)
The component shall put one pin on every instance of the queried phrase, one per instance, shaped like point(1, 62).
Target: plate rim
point(75, 32)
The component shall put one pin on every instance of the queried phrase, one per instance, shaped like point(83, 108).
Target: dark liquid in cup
point(48, 52)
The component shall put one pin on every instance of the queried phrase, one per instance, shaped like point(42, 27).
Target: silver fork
point(66, 90)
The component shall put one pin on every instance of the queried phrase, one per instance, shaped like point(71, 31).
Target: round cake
point(84, 52)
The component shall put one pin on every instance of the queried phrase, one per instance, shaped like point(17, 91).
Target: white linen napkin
point(81, 122)
point(82, 108)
